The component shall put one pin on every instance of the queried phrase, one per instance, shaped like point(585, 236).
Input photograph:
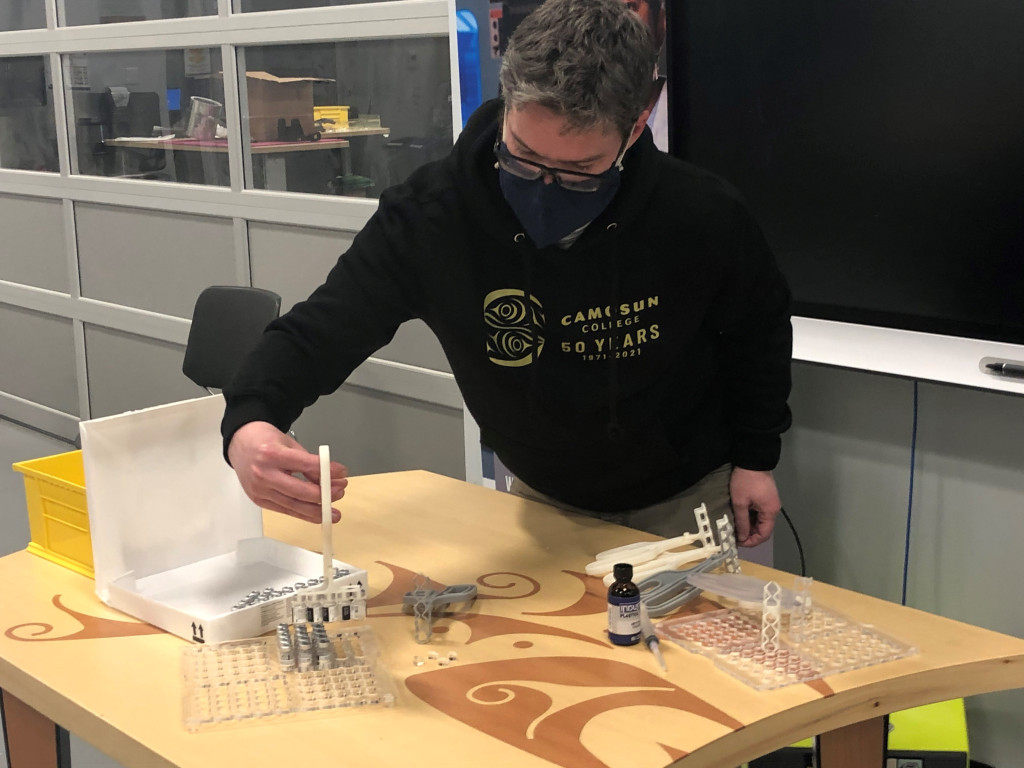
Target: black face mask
point(548, 211)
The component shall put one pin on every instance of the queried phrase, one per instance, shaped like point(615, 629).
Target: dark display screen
point(879, 143)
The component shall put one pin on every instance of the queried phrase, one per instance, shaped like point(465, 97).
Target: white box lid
point(159, 493)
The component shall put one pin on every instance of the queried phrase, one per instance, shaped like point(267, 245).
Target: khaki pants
point(668, 518)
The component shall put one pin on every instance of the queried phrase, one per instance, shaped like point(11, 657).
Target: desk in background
point(273, 152)
point(536, 683)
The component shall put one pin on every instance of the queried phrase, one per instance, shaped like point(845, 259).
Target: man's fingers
point(741, 517)
point(274, 507)
point(759, 531)
point(756, 537)
point(338, 486)
point(339, 474)
point(277, 473)
point(311, 513)
point(338, 489)
point(756, 533)
point(273, 479)
point(287, 458)
point(294, 507)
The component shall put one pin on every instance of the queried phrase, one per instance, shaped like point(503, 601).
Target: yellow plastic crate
point(57, 514)
point(338, 114)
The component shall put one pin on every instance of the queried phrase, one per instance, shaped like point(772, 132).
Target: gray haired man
point(613, 317)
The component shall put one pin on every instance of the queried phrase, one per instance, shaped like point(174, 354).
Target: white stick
point(657, 546)
point(327, 545)
point(634, 557)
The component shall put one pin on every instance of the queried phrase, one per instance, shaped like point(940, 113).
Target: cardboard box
point(272, 99)
point(175, 540)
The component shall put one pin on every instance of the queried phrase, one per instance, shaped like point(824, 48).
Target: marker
point(1007, 369)
point(650, 638)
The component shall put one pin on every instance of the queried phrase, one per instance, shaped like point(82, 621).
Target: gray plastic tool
point(428, 603)
point(667, 590)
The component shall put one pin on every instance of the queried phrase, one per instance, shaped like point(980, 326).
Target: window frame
point(231, 32)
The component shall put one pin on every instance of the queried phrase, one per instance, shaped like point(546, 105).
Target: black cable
point(796, 536)
point(910, 500)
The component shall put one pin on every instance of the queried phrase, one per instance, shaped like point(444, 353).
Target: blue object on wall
point(468, 34)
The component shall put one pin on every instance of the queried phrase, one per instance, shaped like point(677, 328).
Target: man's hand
point(267, 461)
point(755, 505)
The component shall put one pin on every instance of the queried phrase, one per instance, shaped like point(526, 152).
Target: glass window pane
point(28, 133)
point(149, 114)
point(347, 118)
point(244, 6)
point(22, 14)
point(74, 12)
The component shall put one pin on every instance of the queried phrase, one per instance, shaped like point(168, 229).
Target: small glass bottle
point(623, 607)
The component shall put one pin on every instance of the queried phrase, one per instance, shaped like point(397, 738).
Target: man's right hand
point(267, 461)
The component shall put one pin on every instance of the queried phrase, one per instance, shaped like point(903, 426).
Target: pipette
point(650, 637)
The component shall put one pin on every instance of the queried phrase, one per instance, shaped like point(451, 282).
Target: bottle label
point(624, 620)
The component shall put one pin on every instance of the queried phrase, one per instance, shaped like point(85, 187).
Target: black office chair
point(227, 322)
point(136, 119)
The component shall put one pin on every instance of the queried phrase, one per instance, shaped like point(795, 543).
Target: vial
point(623, 607)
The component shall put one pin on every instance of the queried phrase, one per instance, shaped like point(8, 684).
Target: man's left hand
point(755, 505)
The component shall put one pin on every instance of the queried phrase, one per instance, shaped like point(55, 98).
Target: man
point(615, 322)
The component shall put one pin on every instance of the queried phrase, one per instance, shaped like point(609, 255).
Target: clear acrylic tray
point(811, 645)
point(244, 681)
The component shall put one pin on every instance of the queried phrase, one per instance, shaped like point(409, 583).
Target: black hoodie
point(609, 375)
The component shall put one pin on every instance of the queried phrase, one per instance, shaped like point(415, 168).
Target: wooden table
point(356, 130)
point(221, 145)
point(535, 683)
point(273, 152)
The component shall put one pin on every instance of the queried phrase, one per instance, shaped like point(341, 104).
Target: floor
point(18, 443)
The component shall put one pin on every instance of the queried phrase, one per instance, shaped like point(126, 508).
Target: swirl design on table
point(481, 626)
point(92, 627)
point(487, 581)
point(540, 705)
point(541, 709)
point(593, 600)
point(534, 704)
point(402, 580)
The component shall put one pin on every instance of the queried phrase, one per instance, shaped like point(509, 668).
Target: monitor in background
point(880, 145)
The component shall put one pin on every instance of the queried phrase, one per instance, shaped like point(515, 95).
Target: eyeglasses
point(575, 181)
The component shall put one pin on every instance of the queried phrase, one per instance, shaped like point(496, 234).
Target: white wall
point(845, 481)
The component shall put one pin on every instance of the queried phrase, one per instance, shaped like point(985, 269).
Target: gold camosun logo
point(514, 325)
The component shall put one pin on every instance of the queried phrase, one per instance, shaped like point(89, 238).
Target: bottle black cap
point(623, 571)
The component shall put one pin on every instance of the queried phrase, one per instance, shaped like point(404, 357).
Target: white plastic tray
point(176, 542)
